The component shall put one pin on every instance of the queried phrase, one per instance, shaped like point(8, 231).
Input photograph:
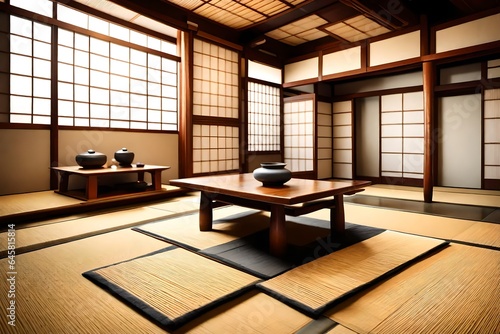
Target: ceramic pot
point(272, 174)
point(124, 157)
point(91, 159)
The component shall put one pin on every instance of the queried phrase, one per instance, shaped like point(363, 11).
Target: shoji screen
point(299, 133)
point(459, 146)
point(215, 108)
point(324, 134)
point(263, 117)
point(492, 136)
point(402, 135)
point(342, 139)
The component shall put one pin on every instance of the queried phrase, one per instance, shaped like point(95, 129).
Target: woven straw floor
point(172, 286)
point(454, 290)
point(317, 284)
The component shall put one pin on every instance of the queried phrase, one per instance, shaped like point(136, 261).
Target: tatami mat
point(316, 285)
point(454, 291)
point(53, 297)
point(481, 233)
point(240, 238)
point(173, 286)
point(254, 312)
point(19, 203)
point(29, 239)
point(230, 223)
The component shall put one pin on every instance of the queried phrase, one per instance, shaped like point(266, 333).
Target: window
point(30, 71)
point(264, 108)
point(104, 84)
point(118, 78)
point(263, 117)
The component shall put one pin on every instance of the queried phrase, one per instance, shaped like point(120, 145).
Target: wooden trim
point(484, 70)
point(210, 120)
point(91, 128)
point(397, 65)
point(402, 90)
point(470, 87)
point(24, 126)
point(372, 179)
point(302, 97)
point(300, 82)
point(491, 184)
point(218, 40)
point(282, 122)
point(342, 75)
point(315, 133)
point(262, 82)
point(401, 181)
point(380, 137)
point(244, 79)
point(320, 66)
point(474, 51)
point(54, 128)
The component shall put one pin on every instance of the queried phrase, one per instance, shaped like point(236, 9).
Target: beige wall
point(25, 161)
point(26, 154)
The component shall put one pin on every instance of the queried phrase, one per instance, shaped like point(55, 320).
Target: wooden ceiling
point(294, 25)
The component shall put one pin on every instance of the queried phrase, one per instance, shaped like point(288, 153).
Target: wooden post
point(206, 213)
point(429, 147)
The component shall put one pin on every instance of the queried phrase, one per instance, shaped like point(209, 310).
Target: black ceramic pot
point(272, 174)
point(91, 159)
point(124, 157)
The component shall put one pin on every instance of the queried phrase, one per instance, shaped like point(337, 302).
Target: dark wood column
point(429, 147)
point(186, 105)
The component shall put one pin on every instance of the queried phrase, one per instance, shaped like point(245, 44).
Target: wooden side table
point(91, 178)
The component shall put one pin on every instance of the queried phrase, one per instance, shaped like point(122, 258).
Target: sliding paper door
point(325, 140)
point(459, 146)
point(342, 139)
point(402, 137)
point(299, 133)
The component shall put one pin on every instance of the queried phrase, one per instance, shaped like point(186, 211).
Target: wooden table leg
point(206, 214)
point(91, 191)
point(277, 231)
point(156, 179)
point(337, 218)
point(63, 183)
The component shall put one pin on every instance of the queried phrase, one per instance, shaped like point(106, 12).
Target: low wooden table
point(91, 177)
point(244, 190)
